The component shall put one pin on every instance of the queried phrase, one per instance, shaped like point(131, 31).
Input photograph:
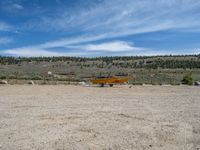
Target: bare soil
point(59, 117)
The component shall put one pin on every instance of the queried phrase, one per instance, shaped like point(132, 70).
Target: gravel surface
point(62, 117)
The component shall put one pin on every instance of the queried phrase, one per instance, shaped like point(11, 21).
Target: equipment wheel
point(102, 84)
point(111, 85)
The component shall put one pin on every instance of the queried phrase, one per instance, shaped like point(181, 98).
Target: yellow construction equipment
point(110, 80)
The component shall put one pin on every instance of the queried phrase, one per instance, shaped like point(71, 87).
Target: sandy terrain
point(75, 117)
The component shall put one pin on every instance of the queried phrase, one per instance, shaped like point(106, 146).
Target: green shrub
point(24, 78)
point(187, 79)
point(11, 77)
point(36, 78)
point(3, 77)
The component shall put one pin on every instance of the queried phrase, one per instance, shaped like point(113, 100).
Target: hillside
point(151, 69)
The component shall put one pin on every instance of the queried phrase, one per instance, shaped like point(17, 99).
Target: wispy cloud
point(4, 26)
point(117, 18)
point(108, 20)
point(127, 16)
point(11, 6)
point(17, 6)
point(31, 52)
point(74, 50)
point(91, 50)
point(5, 40)
point(41, 49)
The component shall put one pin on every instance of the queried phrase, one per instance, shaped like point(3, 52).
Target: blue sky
point(99, 27)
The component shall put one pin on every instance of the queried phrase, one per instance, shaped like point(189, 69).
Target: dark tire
point(101, 85)
point(111, 85)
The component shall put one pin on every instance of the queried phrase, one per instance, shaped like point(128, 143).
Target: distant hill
point(144, 69)
point(153, 62)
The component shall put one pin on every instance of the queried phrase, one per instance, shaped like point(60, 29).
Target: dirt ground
point(58, 117)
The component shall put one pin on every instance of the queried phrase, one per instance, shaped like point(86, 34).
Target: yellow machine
point(110, 80)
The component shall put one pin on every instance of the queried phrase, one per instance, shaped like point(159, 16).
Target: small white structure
point(49, 73)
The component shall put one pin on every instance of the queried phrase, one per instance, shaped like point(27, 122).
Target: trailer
point(110, 80)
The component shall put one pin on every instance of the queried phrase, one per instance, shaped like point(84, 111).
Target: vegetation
point(143, 69)
point(187, 79)
point(148, 62)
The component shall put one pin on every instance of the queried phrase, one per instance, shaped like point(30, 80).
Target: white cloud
point(115, 49)
point(75, 50)
point(31, 52)
point(116, 46)
point(42, 49)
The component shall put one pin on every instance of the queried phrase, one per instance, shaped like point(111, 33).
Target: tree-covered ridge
point(149, 62)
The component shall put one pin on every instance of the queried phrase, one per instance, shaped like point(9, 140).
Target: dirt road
point(62, 117)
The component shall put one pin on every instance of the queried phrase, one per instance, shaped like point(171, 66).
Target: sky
point(91, 28)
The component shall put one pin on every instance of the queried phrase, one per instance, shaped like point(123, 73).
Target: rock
point(166, 85)
point(3, 82)
point(82, 83)
point(31, 82)
point(147, 85)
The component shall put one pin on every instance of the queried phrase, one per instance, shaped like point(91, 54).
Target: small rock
point(31, 82)
point(197, 83)
point(3, 82)
point(82, 83)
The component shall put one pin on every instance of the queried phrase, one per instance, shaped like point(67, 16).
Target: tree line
point(150, 62)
